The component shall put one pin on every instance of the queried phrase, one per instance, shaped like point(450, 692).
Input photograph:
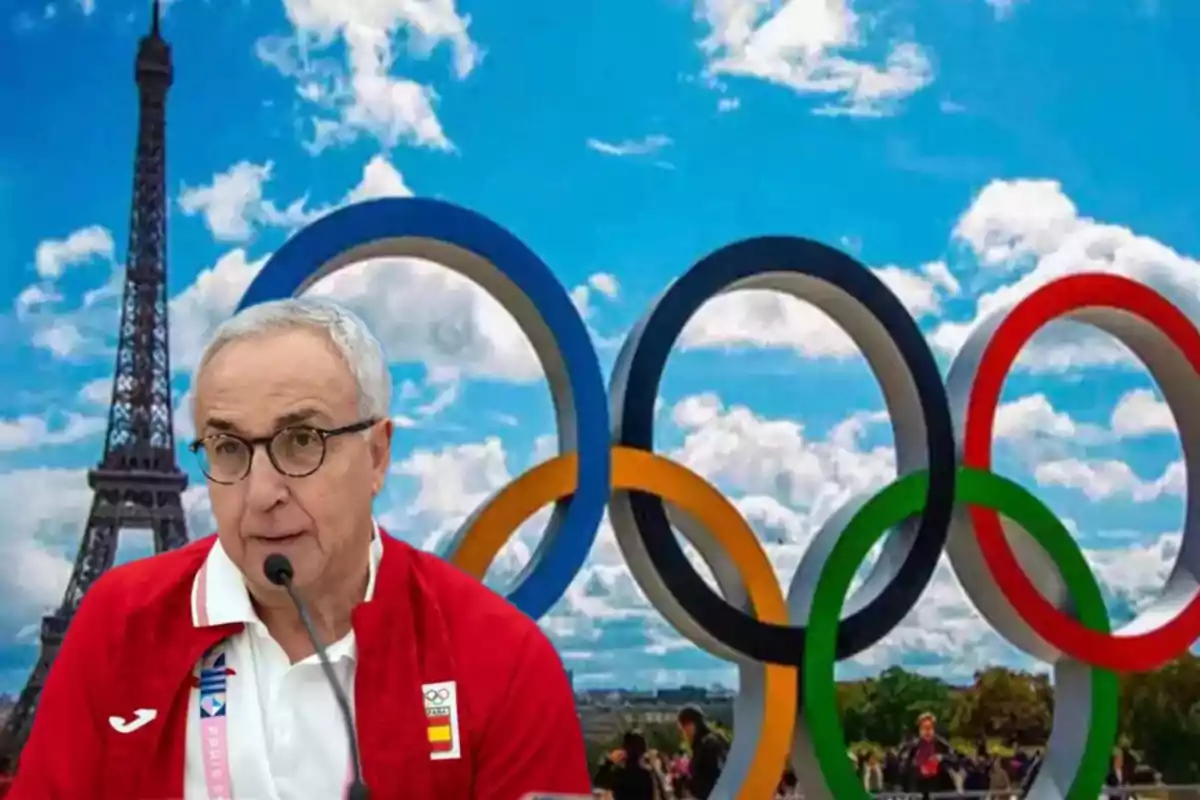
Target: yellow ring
point(638, 470)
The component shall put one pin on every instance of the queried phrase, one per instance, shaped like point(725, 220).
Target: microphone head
point(278, 569)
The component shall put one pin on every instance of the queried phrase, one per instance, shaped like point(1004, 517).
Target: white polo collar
point(220, 597)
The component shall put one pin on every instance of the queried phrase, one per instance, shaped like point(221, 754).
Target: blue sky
point(967, 150)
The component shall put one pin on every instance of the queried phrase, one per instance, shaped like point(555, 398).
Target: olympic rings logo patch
point(944, 499)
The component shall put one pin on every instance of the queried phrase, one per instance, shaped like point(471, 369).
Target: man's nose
point(266, 487)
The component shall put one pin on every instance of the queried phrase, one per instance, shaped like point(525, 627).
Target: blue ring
point(301, 260)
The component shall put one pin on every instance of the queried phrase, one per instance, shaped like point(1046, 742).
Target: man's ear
point(380, 444)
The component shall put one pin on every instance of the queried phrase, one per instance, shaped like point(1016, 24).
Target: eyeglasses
point(296, 451)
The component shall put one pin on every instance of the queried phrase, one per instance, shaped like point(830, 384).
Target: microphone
point(278, 570)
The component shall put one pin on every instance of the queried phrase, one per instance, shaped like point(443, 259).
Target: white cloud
point(379, 179)
point(41, 518)
point(606, 284)
point(439, 318)
point(456, 480)
point(35, 297)
point(97, 392)
point(801, 44)
point(751, 455)
point(1010, 220)
point(209, 301)
point(696, 411)
point(1045, 435)
point(921, 291)
point(62, 338)
point(440, 390)
point(1136, 572)
point(769, 319)
point(361, 96)
point(1040, 432)
point(449, 484)
point(55, 256)
point(1104, 479)
point(1028, 233)
point(87, 328)
point(30, 432)
point(602, 283)
point(233, 205)
point(1004, 8)
point(647, 145)
point(1140, 412)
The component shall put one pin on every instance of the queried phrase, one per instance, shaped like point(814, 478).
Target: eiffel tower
point(138, 483)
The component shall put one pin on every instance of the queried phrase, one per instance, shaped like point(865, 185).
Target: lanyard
point(214, 725)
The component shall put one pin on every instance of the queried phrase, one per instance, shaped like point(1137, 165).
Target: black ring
point(634, 391)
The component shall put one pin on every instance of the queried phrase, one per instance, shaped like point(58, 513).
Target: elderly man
point(191, 674)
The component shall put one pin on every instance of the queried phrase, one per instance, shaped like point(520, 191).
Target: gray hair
point(350, 337)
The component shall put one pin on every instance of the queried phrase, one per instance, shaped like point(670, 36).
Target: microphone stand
point(278, 570)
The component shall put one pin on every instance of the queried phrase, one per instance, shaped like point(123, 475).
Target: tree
point(852, 700)
point(1006, 704)
point(1160, 715)
point(885, 709)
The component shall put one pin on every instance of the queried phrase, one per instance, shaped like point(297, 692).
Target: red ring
point(1139, 652)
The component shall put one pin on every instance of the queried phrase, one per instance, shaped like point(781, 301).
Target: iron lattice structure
point(138, 483)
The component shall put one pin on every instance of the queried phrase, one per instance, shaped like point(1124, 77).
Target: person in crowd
point(927, 761)
point(1120, 769)
point(211, 680)
point(788, 788)
point(680, 770)
point(1031, 766)
point(658, 763)
point(977, 769)
point(631, 772)
point(998, 779)
point(709, 750)
point(1020, 763)
point(893, 779)
point(872, 772)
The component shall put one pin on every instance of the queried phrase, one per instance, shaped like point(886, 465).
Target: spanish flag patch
point(441, 717)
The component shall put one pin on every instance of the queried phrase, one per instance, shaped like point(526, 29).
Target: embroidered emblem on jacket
point(441, 716)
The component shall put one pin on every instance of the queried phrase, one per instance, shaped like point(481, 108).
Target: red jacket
point(132, 645)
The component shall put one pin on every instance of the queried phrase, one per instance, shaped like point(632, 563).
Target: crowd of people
point(634, 772)
point(925, 765)
point(928, 764)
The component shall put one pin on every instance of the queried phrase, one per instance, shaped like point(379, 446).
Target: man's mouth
point(278, 538)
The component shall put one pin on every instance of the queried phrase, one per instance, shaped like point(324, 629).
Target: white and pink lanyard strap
point(214, 725)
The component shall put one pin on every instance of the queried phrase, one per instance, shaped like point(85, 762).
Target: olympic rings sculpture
point(1017, 562)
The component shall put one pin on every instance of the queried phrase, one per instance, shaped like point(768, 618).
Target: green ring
point(897, 502)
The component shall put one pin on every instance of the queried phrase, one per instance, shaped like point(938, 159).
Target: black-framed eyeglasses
point(296, 451)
